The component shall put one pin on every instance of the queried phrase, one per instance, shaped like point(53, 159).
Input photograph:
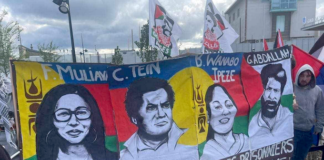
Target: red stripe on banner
point(302, 58)
point(252, 83)
point(235, 89)
point(125, 128)
point(101, 94)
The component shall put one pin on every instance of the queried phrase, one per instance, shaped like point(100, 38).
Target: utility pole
point(82, 49)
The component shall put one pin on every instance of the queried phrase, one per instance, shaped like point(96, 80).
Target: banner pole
point(16, 111)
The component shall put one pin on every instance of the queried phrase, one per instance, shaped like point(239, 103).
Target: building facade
point(254, 20)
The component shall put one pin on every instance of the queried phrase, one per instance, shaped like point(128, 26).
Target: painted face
point(223, 111)
point(271, 98)
point(304, 78)
point(156, 112)
point(72, 118)
point(210, 22)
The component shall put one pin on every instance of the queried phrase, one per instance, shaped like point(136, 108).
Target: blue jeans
point(303, 141)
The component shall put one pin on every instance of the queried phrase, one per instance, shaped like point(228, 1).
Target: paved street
point(4, 143)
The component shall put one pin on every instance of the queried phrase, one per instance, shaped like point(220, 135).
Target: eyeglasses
point(64, 115)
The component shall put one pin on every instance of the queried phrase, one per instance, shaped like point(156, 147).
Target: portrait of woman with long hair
point(221, 141)
point(69, 126)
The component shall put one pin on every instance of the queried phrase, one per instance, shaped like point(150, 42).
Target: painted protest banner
point(218, 33)
point(271, 115)
point(197, 107)
point(61, 105)
point(171, 102)
point(164, 32)
point(226, 105)
point(164, 128)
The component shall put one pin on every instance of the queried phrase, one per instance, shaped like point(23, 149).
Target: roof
point(314, 27)
point(232, 6)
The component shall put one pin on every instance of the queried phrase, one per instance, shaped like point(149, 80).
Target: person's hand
point(315, 133)
point(295, 106)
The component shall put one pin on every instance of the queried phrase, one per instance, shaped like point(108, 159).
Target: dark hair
point(211, 15)
point(48, 141)
point(134, 95)
point(208, 99)
point(275, 71)
point(11, 114)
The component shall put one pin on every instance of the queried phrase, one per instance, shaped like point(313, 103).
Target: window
point(229, 19)
point(280, 24)
point(238, 13)
point(233, 16)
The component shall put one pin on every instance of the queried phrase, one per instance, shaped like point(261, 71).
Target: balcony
point(283, 5)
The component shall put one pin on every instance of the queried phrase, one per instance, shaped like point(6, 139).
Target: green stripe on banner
point(241, 125)
point(32, 158)
point(121, 146)
point(111, 143)
point(286, 101)
point(201, 147)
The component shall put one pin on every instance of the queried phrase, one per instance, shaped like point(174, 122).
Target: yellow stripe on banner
point(189, 110)
point(31, 89)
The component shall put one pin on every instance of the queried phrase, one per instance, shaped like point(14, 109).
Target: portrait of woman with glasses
point(69, 126)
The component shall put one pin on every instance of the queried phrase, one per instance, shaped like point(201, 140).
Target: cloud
point(320, 8)
point(102, 23)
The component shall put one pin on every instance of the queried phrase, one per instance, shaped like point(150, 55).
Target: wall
point(258, 20)
point(305, 8)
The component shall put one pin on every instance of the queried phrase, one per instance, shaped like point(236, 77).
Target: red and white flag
point(218, 33)
point(163, 31)
point(265, 45)
point(278, 42)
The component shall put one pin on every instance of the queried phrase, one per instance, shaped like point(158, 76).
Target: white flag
point(163, 31)
point(218, 33)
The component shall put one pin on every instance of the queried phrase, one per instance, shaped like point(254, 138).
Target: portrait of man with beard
point(272, 121)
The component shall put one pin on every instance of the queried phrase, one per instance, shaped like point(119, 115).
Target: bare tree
point(48, 52)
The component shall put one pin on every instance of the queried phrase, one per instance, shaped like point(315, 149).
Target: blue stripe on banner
point(122, 76)
point(79, 73)
point(212, 63)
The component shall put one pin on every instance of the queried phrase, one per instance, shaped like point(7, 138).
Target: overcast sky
point(105, 23)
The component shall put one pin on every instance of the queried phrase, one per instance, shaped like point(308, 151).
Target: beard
point(273, 105)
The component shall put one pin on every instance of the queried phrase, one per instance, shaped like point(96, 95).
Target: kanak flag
point(163, 30)
point(265, 45)
point(278, 41)
point(218, 33)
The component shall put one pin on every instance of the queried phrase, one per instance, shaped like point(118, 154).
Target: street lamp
point(64, 7)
